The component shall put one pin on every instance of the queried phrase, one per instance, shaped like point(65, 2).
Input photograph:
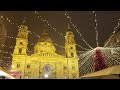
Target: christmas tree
point(99, 61)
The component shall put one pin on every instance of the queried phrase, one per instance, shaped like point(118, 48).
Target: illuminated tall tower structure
point(19, 54)
point(70, 46)
point(71, 54)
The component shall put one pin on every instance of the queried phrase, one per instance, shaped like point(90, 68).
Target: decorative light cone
point(99, 61)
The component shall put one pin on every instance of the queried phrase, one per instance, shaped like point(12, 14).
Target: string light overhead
point(31, 32)
point(46, 21)
point(38, 35)
point(43, 20)
point(75, 27)
point(113, 33)
point(96, 28)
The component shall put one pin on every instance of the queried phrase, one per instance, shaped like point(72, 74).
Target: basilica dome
point(44, 37)
point(44, 43)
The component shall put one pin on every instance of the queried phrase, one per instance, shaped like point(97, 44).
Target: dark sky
point(84, 20)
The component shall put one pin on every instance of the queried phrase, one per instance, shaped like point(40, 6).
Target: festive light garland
point(96, 29)
point(55, 30)
point(75, 27)
point(86, 59)
point(37, 34)
point(14, 38)
point(58, 45)
point(99, 61)
point(6, 36)
point(82, 47)
point(3, 45)
point(30, 51)
point(46, 21)
point(7, 20)
point(7, 57)
point(8, 53)
point(87, 56)
point(7, 65)
point(113, 33)
point(86, 62)
point(55, 44)
point(116, 54)
point(31, 32)
point(80, 51)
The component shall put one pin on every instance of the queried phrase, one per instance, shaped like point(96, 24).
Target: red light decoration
point(99, 61)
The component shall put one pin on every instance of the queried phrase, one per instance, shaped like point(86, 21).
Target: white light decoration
point(96, 30)
point(56, 30)
point(111, 55)
point(17, 25)
point(43, 20)
point(113, 33)
point(46, 75)
point(70, 20)
point(7, 19)
point(1, 16)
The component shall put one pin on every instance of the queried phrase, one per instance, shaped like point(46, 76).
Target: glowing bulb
point(46, 75)
point(1, 16)
point(67, 16)
point(113, 31)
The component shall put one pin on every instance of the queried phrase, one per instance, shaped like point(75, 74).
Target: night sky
point(84, 20)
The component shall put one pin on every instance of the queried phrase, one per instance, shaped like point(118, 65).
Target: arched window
point(21, 43)
point(18, 65)
point(71, 47)
point(73, 67)
point(20, 50)
point(65, 67)
point(28, 66)
point(72, 54)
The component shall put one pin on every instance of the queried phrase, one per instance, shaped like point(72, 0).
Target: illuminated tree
point(99, 61)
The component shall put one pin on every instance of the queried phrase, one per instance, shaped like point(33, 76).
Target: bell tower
point(19, 54)
point(71, 55)
point(70, 46)
point(21, 40)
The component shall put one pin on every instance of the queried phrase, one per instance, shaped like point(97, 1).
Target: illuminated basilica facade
point(45, 63)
